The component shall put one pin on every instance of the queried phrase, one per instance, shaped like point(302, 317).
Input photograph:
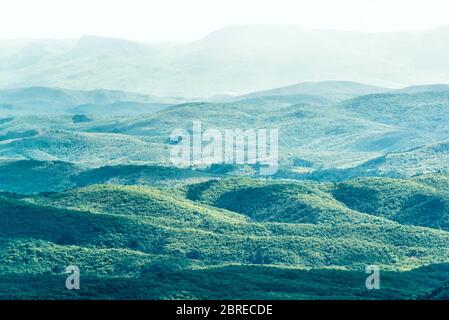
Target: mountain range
point(234, 60)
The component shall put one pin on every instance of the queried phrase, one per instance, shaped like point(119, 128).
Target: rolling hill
point(98, 191)
point(388, 134)
point(208, 233)
point(413, 202)
point(425, 88)
point(332, 90)
point(56, 101)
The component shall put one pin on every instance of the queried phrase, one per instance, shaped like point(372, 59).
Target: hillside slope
point(56, 101)
point(396, 135)
point(332, 90)
point(287, 230)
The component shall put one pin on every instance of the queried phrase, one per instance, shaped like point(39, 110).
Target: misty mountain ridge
point(333, 90)
point(239, 60)
point(53, 100)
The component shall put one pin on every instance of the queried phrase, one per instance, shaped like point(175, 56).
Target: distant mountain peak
point(333, 89)
point(439, 87)
point(92, 43)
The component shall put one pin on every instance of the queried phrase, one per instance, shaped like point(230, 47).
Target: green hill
point(424, 111)
point(389, 134)
point(140, 175)
point(250, 235)
point(31, 176)
point(411, 202)
point(229, 282)
point(134, 234)
point(332, 90)
point(291, 202)
point(36, 176)
point(45, 101)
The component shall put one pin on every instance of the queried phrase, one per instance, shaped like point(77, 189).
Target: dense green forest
point(228, 238)
point(86, 180)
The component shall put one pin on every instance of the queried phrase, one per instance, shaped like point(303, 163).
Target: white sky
point(187, 20)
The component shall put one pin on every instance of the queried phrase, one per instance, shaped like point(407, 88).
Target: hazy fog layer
point(233, 60)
